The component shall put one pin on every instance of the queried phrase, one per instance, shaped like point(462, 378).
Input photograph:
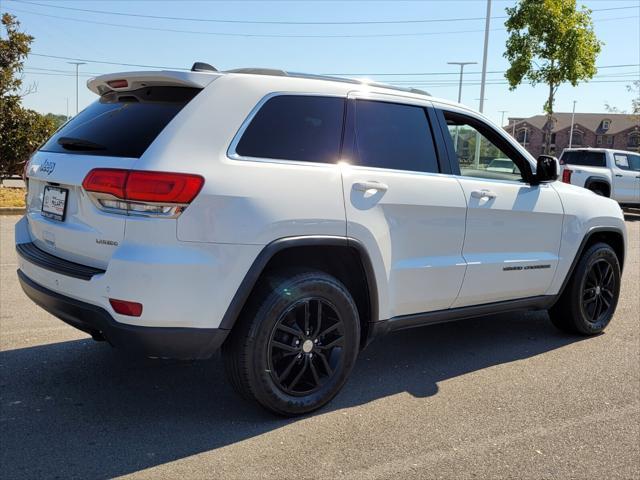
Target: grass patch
point(12, 197)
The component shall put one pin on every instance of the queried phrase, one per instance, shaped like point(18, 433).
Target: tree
point(550, 42)
point(21, 130)
point(635, 101)
point(13, 50)
point(58, 120)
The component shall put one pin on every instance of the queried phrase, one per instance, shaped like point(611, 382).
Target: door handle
point(371, 185)
point(483, 194)
point(618, 175)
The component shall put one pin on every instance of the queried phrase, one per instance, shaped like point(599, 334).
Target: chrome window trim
point(231, 151)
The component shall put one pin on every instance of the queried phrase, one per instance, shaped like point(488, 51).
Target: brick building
point(605, 130)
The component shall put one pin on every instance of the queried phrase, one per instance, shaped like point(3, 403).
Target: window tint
point(391, 135)
point(585, 158)
point(481, 153)
point(295, 127)
point(120, 124)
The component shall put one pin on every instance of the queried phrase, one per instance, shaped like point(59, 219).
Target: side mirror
point(547, 169)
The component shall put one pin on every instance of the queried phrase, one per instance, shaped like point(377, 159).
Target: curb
point(12, 210)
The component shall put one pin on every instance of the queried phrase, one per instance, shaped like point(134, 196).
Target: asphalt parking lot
point(499, 397)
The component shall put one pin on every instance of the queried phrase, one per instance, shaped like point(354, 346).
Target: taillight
point(163, 187)
point(106, 180)
point(566, 175)
point(141, 192)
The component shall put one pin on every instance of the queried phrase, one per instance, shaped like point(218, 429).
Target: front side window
point(295, 127)
point(394, 136)
point(480, 152)
point(634, 162)
point(627, 161)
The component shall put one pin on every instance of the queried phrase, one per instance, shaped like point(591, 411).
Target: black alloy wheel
point(306, 346)
point(295, 343)
point(588, 302)
point(598, 291)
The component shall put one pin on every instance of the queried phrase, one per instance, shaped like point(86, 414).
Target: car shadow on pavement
point(79, 409)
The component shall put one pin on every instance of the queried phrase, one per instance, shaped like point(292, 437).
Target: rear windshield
point(586, 158)
point(121, 124)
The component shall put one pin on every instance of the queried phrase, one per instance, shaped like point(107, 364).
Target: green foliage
point(634, 88)
point(14, 48)
point(21, 130)
point(58, 120)
point(635, 101)
point(550, 42)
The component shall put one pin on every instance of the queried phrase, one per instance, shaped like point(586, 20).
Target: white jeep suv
point(290, 219)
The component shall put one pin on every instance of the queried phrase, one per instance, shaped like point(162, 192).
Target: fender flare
point(580, 251)
point(276, 246)
point(597, 179)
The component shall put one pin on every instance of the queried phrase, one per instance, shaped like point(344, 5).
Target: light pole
point(573, 116)
point(484, 55)
point(462, 65)
point(476, 158)
point(77, 64)
point(502, 120)
point(483, 80)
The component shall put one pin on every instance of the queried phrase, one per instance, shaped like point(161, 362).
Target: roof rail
point(313, 76)
point(274, 72)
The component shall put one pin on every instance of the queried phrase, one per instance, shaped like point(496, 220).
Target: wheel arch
point(612, 236)
point(597, 180)
point(345, 258)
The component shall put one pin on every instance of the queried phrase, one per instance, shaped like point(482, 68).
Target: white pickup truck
point(610, 173)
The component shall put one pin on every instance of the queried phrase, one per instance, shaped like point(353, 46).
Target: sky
point(342, 38)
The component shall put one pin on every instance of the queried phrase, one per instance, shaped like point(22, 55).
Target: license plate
point(54, 202)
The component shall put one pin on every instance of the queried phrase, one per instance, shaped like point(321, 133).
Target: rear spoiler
point(125, 81)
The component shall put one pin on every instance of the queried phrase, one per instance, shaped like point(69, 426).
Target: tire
point(286, 365)
point(589, 300)
point(598, 191)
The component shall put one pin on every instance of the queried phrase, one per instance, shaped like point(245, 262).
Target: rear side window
point(121, 124)
point(295, 127)
point(396, 136)
point(585, 158)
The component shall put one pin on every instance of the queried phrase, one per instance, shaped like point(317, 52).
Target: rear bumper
point(163, 342)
